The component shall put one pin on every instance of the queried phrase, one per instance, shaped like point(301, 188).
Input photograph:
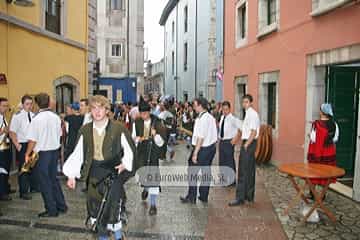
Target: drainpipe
point(223, 38)
point(176, 52)
point(196, 52)
point(164, 63)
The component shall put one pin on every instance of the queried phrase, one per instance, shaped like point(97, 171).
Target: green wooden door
point(342, 93)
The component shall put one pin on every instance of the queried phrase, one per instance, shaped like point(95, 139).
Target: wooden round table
point(308, 171)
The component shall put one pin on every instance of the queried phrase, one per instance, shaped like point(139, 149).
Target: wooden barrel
point(264, 146)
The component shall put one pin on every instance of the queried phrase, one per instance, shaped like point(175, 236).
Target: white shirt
point(335, 139)
point(20, 124)
point(251, 122)
point(205, 128)
point(87, 118)
point(72, 166)
point(231, 126)
point(3, 124)
point(45, 130)
point(159, 141)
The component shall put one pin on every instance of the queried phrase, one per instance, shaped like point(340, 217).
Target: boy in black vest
point(149, 134)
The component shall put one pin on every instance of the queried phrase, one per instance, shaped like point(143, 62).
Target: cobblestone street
point(346, 211)
point(214, 220)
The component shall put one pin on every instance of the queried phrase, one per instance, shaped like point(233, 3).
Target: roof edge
point(167, 10)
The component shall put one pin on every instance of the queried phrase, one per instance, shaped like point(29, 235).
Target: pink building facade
point(292, 56)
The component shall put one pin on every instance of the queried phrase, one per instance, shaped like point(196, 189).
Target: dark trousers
point(46, 171)
point(5, 162)
point(204, 161)
point(27, 181)
point(245, 189)
point(226, 157)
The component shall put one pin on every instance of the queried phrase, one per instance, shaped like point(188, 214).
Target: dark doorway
point(64, 96)
point(342, 92)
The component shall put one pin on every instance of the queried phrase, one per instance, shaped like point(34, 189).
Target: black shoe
point(232, 185)
point(46, 214)
point(5, 198)
point(144, 195)
point(187, 200)
point(203, 200)
point(153, 211)
point(84, 190)
point(25, 196)
point(236, 203)
point(34, 191)
point(63, 211)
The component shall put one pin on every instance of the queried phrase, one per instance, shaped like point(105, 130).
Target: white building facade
point(190, 48)
point(120, 38)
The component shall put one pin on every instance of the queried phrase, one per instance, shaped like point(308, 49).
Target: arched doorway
point(66, 91)
point(64, 96)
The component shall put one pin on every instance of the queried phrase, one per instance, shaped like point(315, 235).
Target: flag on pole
point(220, 73)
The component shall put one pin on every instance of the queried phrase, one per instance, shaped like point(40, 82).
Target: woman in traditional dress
point(324, 134)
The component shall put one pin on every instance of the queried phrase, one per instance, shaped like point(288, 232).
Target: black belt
point(225, 140)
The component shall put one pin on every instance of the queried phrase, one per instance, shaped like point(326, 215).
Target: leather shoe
point(63, 211)
point(187, 200)
point(5, 198)
point(46, 214)
point(236, 203)
point(153, 211)
point(203, 200)
point(144, 195)
point(25, 196)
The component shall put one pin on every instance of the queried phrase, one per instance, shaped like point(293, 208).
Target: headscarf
point(327, 109)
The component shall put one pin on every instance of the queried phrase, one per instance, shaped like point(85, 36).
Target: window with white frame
point(269, 16)
point(185, 57)
point(269, 98)
point(186, 16)
point(116, 50)
point(320, 7)
point(241, 90)
point(241, 22)
point(173, 63)
point(173, 31)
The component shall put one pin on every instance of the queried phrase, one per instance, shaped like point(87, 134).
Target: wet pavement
point(214, 220)
point(345, 210)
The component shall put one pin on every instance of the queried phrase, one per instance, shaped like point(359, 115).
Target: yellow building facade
point(43, 48)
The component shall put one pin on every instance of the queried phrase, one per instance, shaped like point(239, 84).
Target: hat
point(75, 106)
point(144, 106)
point(327, 109)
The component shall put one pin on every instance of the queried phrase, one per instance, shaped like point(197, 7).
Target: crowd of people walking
point(103, 146)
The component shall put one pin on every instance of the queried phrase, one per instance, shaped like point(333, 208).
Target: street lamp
point(23, 3)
